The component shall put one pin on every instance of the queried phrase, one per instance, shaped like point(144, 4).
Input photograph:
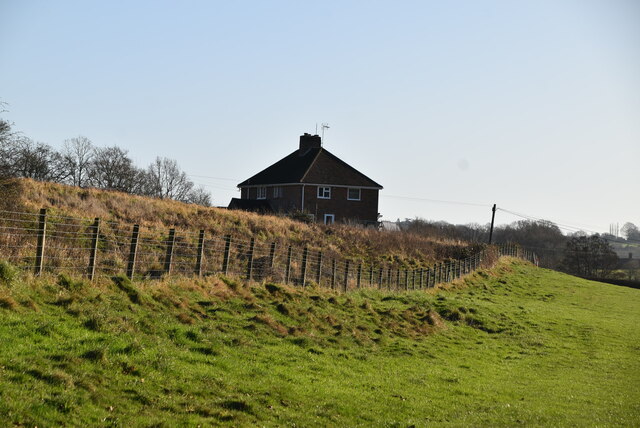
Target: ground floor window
point(262, 193)
point(329, 218)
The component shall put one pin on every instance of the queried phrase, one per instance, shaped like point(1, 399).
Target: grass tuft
point(8, 272)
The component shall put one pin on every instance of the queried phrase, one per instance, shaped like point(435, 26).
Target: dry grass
point(159, 215)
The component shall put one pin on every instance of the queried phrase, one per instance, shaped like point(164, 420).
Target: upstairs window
point(353, 194)
point(262, 193)
point(277, 192)
point(324, 192)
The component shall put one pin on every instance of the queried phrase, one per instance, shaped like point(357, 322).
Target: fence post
point(371, 275)
point(95, 230)
point(198, 269)
point(334, 269)
point(346, 275)
point(319, 268)
point(252, 246)
point(389, 276)
point(287, 269)
point(359, 278)
point(406, 279)
point(42, 232)
point(305, 261)
point(225, 258)
point(380, 277)
point(169, 255)
point(398, 279)
point(133, 251)
point(421, 278)
point(272, 254)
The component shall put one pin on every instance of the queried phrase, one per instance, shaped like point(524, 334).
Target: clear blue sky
point(533, 105)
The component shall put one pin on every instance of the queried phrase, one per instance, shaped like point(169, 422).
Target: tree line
point(81, 163)
point(578, 253)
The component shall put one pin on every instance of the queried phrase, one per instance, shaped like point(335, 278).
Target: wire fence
point(47, 242)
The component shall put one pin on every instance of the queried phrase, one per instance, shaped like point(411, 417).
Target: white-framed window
point(353, 194)
point(277, 192)
point(324, 192)
point(261, 193)
point(329, 218)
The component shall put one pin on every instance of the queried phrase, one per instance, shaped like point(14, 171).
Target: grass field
point(513, 345)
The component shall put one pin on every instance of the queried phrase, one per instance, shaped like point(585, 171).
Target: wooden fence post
point(200, 252)
point(252, 246)
point(398, 279)
point(346, 275)
point(359, 277)
point(272, 254)
point(305, 261)
point(287, 269)
point(371, 275)
point(334, 269)
point(133, 251)
point(421, 278)
point(225, 257)
point(95, 230)
point(169, 255)
point(319, 268)
point(42, 232)
point(380, 278)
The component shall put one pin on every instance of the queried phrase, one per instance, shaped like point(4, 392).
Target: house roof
point(314, 166)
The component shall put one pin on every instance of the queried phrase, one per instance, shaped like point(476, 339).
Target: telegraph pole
point(493, 217)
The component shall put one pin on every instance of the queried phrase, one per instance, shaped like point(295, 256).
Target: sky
point(452, 106)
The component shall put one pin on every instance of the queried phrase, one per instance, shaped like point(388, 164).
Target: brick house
point(313, 181)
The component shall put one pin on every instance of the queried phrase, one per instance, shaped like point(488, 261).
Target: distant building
point(312, 181)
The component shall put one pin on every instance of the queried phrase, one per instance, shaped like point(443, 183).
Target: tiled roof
point(314, 166)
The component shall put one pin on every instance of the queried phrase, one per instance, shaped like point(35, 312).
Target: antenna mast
point(323, 126)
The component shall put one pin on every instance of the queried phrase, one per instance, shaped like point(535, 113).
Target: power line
point(438, 201)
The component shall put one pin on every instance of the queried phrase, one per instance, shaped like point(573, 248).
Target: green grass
point(514, 345)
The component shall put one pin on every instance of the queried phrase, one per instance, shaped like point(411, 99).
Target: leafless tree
point(111, 168)
point(199, 196)
point(22, 157)
point(77, 154)
point(165, 180)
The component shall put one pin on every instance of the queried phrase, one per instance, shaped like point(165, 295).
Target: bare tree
point(199, 196)
point(631, 231)
point(22, 157)
point(589, 256)
point(165, 180)
point(111, 168)
point(77, 154)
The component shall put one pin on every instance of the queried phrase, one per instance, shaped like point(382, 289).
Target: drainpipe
point(302, 204)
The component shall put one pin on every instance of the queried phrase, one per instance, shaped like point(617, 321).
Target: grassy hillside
point(160, 215)
point(514, 345)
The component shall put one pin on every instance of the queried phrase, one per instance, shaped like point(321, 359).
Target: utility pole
point(493, 217)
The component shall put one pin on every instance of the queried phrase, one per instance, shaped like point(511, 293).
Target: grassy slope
point(156, 214)
point(514, 345)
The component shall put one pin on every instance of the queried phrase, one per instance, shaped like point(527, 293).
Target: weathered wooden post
point(319, 268)
point(133, 251)
point(305, 261)
point(287, 269)
point(272, 254)
point(389, 277)
point(95, 230)
point(42, 234)
point(334, 270)
point(380, 278)
point(371, 275)
point(359, 276)
point(199, 253)
point(252, 246)
point(346, 275)
point(169, 254)
point(225, 257)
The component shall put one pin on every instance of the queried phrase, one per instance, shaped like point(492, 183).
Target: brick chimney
point(308, 141)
